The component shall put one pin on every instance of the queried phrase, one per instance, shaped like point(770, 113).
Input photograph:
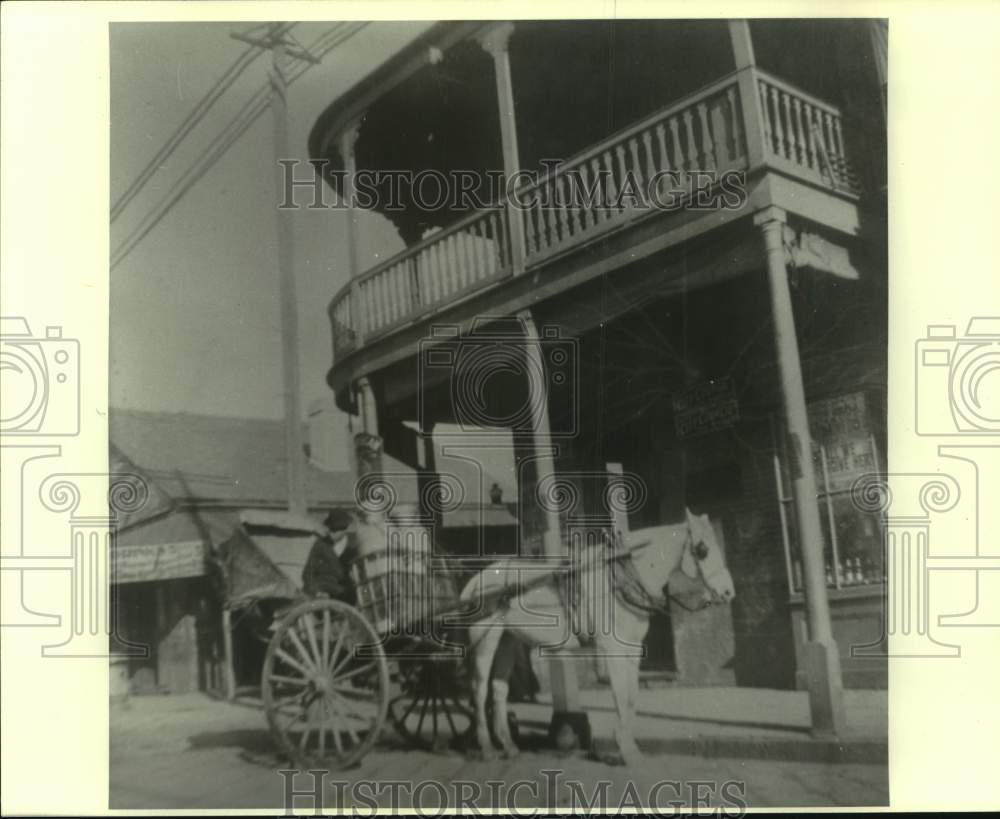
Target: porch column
point(427, 475)
point(495, 42)
point(367, 443)
point(347, 141)
point(822, 658)
point(541, 433)
point(562, 668)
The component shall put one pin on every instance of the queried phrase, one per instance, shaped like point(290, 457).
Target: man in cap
point(327, 571)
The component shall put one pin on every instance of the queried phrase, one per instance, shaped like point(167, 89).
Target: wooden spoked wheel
point(325, 684)
point(431, 712)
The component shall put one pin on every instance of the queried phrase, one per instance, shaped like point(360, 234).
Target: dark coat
point(327, 573)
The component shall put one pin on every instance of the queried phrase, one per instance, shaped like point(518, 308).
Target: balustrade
point(636, 172)
point(804, 132)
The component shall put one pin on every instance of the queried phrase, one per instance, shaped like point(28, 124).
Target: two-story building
point(669, 256)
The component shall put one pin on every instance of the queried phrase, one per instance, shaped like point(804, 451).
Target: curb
point(865, 751)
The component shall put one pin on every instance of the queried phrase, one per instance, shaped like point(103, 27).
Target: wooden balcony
point(748, 121)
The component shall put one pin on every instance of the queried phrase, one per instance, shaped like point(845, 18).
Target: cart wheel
point(325, 684)
point(430, 713)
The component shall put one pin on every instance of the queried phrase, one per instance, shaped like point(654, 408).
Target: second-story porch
point(707, 143)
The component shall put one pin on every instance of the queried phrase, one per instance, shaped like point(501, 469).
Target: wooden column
point(821, 655)
point(367, 443)
point(750, 107)
point(427, 476)
point(562, 670)
point(542, 433)
point(228, 670)
point(347, 141)
point(496, 43)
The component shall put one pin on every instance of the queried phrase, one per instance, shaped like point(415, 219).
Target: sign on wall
point(841, 430)
point(161, 561)
point(704, 408)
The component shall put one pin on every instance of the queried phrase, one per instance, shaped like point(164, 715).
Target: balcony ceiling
point(443, 116)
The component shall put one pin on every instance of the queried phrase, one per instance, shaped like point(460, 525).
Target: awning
point(170, 547)
point(161, 561)
point(264, 557)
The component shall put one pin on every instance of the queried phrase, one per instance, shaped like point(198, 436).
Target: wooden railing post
point(746, 77)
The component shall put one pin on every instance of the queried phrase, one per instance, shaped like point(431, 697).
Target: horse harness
point(633, 592)
point(628, 586)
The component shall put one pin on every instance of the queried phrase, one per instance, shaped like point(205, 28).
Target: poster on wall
point(843, 440)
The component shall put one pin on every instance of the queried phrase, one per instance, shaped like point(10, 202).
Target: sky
point(195, 323)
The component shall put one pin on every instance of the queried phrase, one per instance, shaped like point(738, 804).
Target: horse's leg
point(623, 668)
point(485, 650)
point(501, 727)
point(618, 672)
point(629, 747)
point(503, 667)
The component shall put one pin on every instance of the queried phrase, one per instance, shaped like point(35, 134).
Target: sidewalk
point(193, 751)
point(733, 722)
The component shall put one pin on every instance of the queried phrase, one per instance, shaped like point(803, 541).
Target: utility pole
point(281, 50)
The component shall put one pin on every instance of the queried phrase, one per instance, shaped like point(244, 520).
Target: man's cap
point(337, 520)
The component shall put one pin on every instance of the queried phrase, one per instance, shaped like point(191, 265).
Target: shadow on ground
point(249, 740)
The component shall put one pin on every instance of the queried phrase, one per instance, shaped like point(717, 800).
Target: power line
point(224, 140)
point(248, 114)
point(221, 85)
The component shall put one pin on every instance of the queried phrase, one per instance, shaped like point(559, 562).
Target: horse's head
point(702, 558)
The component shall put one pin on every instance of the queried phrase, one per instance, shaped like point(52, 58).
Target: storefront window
point(844, 448)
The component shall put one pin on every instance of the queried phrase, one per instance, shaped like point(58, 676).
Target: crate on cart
point(404, 586)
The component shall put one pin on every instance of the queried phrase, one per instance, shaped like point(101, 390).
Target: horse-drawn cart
point(333, 673)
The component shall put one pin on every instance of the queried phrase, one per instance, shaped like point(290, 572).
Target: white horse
point(608, 598)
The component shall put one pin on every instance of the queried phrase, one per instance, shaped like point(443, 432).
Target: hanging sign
point(704, 408)
point(161, 561)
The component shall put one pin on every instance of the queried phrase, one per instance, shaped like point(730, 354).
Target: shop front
point(681, 390)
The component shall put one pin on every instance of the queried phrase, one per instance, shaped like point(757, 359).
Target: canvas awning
point(264, 557)
point(171, 547)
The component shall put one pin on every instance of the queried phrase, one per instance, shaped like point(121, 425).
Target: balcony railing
point(701, 133)
point(802, 136)
point(438, 270)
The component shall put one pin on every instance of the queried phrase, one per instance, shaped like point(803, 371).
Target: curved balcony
point(748, 121)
